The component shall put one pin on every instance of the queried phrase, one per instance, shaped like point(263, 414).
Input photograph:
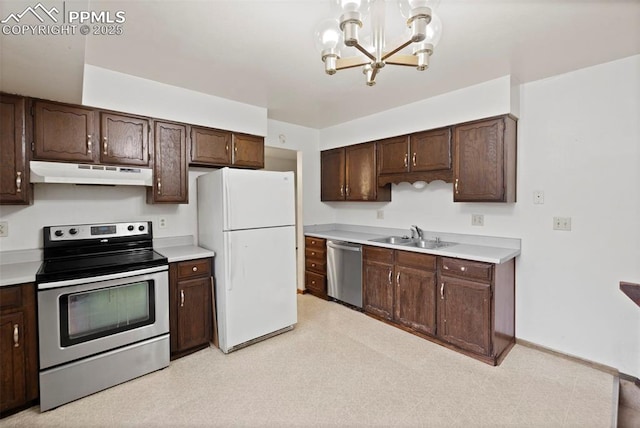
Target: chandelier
point(422, 33)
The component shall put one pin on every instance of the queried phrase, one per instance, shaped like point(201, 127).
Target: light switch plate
point(477, 219)
point(4, 229)
point(380, 215)
point(538, 197)
point(562, 223)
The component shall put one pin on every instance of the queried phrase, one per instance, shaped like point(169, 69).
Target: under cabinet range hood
point(73, 173)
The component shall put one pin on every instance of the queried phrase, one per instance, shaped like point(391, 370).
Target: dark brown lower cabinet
point(464, 305)
point(191, 306)
point(315, 274)
point(18, 348)
point(400, 287)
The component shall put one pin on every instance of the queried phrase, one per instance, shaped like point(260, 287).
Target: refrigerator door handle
point(229, 267)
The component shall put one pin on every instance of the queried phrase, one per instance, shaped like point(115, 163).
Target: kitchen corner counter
point(180, 248)
point(19, 267)
point(184, 252)
point(470, 247)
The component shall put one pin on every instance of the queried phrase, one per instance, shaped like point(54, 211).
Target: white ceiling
point(263, 52)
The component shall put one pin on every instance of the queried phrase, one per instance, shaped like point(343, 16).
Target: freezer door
point(255, 199)
point(260, 288)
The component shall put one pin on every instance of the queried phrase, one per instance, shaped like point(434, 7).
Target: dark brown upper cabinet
point(423, 156)
point(124, 139)
point(484, 154)
point(65, 133)
point(15, 188)
point(248, 151)
point(214, 147)
point(210, 147)
point(170, 174)
point(350, 174)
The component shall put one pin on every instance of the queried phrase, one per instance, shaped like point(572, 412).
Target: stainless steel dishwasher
point(344, 272)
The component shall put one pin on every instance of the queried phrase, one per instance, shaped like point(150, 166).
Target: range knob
point(59, 232)
point(141, 228)
point(130, 227)
point(73, 231)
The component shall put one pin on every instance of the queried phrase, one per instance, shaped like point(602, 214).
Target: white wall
point(578, 137)
point(126, 93)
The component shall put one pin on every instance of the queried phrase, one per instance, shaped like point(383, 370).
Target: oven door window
point(89, 315)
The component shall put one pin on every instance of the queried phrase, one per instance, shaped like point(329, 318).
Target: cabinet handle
point(445, 267)
point(390, 275)
point(414, 159)
point(442, 290)
point(398, 279)
point(235, 149)
point(313, 282)
point(341, 190)
point(226, 148)
point(18, 182)
point(195, 268)
point(313, 242)
point(463, 269)
point(456, 186)
point(89, 144)
point(348, 190)
point(313, 265)
point(16, 336)
point(159, 187)
point(313, 253)
point(406, 160)
point(182, 298)
point(104, 146)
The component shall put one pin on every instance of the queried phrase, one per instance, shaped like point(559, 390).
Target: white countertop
point(18, 273)
point(471, 247)
point(184, 252)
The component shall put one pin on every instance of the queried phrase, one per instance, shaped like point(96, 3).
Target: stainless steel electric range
point(103, 309)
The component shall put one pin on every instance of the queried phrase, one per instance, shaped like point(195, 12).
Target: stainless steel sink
point(431, 245)
point(399, 240)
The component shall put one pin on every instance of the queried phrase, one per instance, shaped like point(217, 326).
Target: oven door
point(84, 317)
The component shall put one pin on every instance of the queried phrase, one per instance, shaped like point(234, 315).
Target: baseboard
point(302, 291)
point(601, 367)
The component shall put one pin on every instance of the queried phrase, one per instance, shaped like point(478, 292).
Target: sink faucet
point(417, 231)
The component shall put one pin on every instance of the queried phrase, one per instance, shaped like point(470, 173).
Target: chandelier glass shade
point(422, 33)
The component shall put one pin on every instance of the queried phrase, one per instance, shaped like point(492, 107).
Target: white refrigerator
point(247, 218)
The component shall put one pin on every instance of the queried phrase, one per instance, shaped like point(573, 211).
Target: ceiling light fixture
point(424, 29)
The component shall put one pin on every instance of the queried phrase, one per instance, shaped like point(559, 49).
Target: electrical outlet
point(380, 214)
point(477, 219)
point(162, 223)
point(4, 229)
point(562, 223)
point(538, 197)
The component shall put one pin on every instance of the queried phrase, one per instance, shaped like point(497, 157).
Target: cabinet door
point(210, 147)
point(13, 357)
point(430, 151)
point(479, 166)
point(378, 289)
point(393, 155)
point(14, 181)
point(194, 313)
point(332, 169)
point(464, 309)
point(361, 181)
point(125, 140)
point(170, 182)
point(415, 299)
point(248, 150)
point(65, 133)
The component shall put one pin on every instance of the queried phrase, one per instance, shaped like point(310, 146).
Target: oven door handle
point(119, 275)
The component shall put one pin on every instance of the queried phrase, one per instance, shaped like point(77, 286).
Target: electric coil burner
point(103, 309)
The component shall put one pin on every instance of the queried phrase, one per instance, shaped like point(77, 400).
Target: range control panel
point(93, 231)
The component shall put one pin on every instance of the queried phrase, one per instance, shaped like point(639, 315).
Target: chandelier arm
point(351, 62)
point(398, 49)
point(374, 72)
point(406, 60)
point(365, 52)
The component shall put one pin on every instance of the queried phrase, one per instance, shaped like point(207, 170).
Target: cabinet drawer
point(377, 254)
point(313, 242)
point(314, 253)
point(466, 269)
point(319, 266)
point(315, 282)
point(194, 268)
point(416, 260)
point(11, 297)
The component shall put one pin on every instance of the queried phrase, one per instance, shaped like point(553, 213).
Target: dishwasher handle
point(344, 246)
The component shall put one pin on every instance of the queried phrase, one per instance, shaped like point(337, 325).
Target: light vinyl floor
point(339, 367)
